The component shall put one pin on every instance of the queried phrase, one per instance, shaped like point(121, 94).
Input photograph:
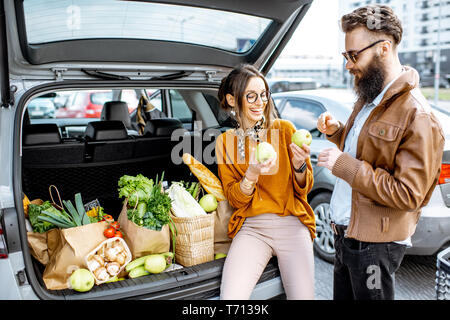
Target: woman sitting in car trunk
point(272, 216)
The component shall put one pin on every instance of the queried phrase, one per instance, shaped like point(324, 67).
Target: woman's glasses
point(253, 96)
point(352, 55)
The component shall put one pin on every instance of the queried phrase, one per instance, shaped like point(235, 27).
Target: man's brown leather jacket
point(397, 163)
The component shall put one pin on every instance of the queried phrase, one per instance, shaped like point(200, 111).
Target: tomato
point(109, 232)
point(108, 218)
point(118, 233)
point(115, 225)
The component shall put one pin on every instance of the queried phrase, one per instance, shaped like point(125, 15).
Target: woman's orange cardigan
point(277, 193)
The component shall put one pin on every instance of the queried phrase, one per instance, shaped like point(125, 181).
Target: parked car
point(89, 103)
point(428, 81)
point(292, 84)
point(95, 53)
point(41, 108)
point(303, 109)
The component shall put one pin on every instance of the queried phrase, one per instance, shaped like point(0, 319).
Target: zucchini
point(169, 258)
point(136, 263)
point(138, 272)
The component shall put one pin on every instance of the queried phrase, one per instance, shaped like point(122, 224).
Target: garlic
point(101, 274)
point(112, 268)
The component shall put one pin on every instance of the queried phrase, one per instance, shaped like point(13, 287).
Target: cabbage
point(183, 204)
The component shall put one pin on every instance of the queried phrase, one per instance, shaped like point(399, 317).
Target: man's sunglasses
point(352, 55)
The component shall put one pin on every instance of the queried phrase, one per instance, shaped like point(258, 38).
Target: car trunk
point(36, 61)
point(93, 169)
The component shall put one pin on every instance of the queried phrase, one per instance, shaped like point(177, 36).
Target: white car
point(303, 108)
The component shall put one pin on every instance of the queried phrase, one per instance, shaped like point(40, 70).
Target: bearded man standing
point(387, 162)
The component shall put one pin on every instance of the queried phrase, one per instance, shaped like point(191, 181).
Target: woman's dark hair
point(235, 83)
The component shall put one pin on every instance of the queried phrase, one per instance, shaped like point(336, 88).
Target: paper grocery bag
point(39, 244)
point(143, 241)
point(221, 240)
point(68, 248)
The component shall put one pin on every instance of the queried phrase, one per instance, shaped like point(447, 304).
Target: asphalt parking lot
point(415, 279)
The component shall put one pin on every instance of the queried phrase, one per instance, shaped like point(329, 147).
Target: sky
point(318, 33)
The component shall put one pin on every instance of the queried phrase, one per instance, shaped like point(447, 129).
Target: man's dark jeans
point(365, 270)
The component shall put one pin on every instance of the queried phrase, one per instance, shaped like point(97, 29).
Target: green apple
point(155, 263)
point(82, 280)
point(220, 256)
point(302, 136)
point(208, 202)
point(264, 152)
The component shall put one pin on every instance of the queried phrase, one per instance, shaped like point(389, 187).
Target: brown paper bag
point(67, 250)
point(143, 241)
point(38, 244)
point(221, 240)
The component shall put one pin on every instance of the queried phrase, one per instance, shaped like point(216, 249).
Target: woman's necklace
point(252, 133)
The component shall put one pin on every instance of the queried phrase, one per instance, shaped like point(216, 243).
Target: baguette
point(206, 178)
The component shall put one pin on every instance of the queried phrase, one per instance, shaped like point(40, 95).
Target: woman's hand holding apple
point(299, 154)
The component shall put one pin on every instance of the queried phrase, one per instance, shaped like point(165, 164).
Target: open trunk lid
point(196, 39)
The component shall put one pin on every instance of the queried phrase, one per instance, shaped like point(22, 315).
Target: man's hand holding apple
point(327, 123)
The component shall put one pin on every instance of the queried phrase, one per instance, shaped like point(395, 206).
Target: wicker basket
point(194, 240)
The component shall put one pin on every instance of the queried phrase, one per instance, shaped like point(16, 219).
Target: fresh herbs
point(35, 210)
point(148, 205)
point(136, 189)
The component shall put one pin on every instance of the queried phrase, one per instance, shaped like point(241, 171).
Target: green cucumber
point(138, 272)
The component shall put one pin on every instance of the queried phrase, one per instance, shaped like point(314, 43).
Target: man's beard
point(370, 84)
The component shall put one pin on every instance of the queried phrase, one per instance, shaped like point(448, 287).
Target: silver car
point(179, 49)
point(303, 109)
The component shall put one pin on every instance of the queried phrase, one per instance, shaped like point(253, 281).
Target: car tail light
point(445, 174)
point(3, 250)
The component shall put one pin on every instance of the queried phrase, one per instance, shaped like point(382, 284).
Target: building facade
point(324, 70)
